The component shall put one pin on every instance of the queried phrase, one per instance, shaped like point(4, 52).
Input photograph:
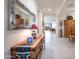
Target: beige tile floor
point(57, 48)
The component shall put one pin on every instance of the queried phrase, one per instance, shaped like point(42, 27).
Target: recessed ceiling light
point(49, 9)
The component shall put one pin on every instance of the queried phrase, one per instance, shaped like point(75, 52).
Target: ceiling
point(57, 7)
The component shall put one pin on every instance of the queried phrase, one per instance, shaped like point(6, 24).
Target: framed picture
point(20, 17)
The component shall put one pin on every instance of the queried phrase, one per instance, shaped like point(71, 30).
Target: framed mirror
point(20, 17)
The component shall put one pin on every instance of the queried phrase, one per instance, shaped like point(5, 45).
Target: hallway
point(57, 48)
point(24, 25)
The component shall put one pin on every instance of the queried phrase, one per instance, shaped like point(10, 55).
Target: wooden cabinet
point(69, 28)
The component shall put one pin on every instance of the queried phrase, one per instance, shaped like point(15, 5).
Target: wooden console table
point(35, 48)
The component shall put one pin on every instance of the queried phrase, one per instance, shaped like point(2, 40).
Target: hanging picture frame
point(26, 17)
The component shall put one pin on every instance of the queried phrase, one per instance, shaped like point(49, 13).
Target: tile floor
point(57, 48)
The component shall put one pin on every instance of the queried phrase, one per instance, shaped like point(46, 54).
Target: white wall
point(39, 21)
point(57, 26)
point(14, 36)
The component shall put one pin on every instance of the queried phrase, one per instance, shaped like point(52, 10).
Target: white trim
point(64, 1)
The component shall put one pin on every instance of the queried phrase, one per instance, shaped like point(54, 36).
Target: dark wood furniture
point(69, 29)
point(35, 48)
point(72, 35)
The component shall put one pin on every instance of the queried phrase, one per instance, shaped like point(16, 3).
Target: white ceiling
point(58, 6)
